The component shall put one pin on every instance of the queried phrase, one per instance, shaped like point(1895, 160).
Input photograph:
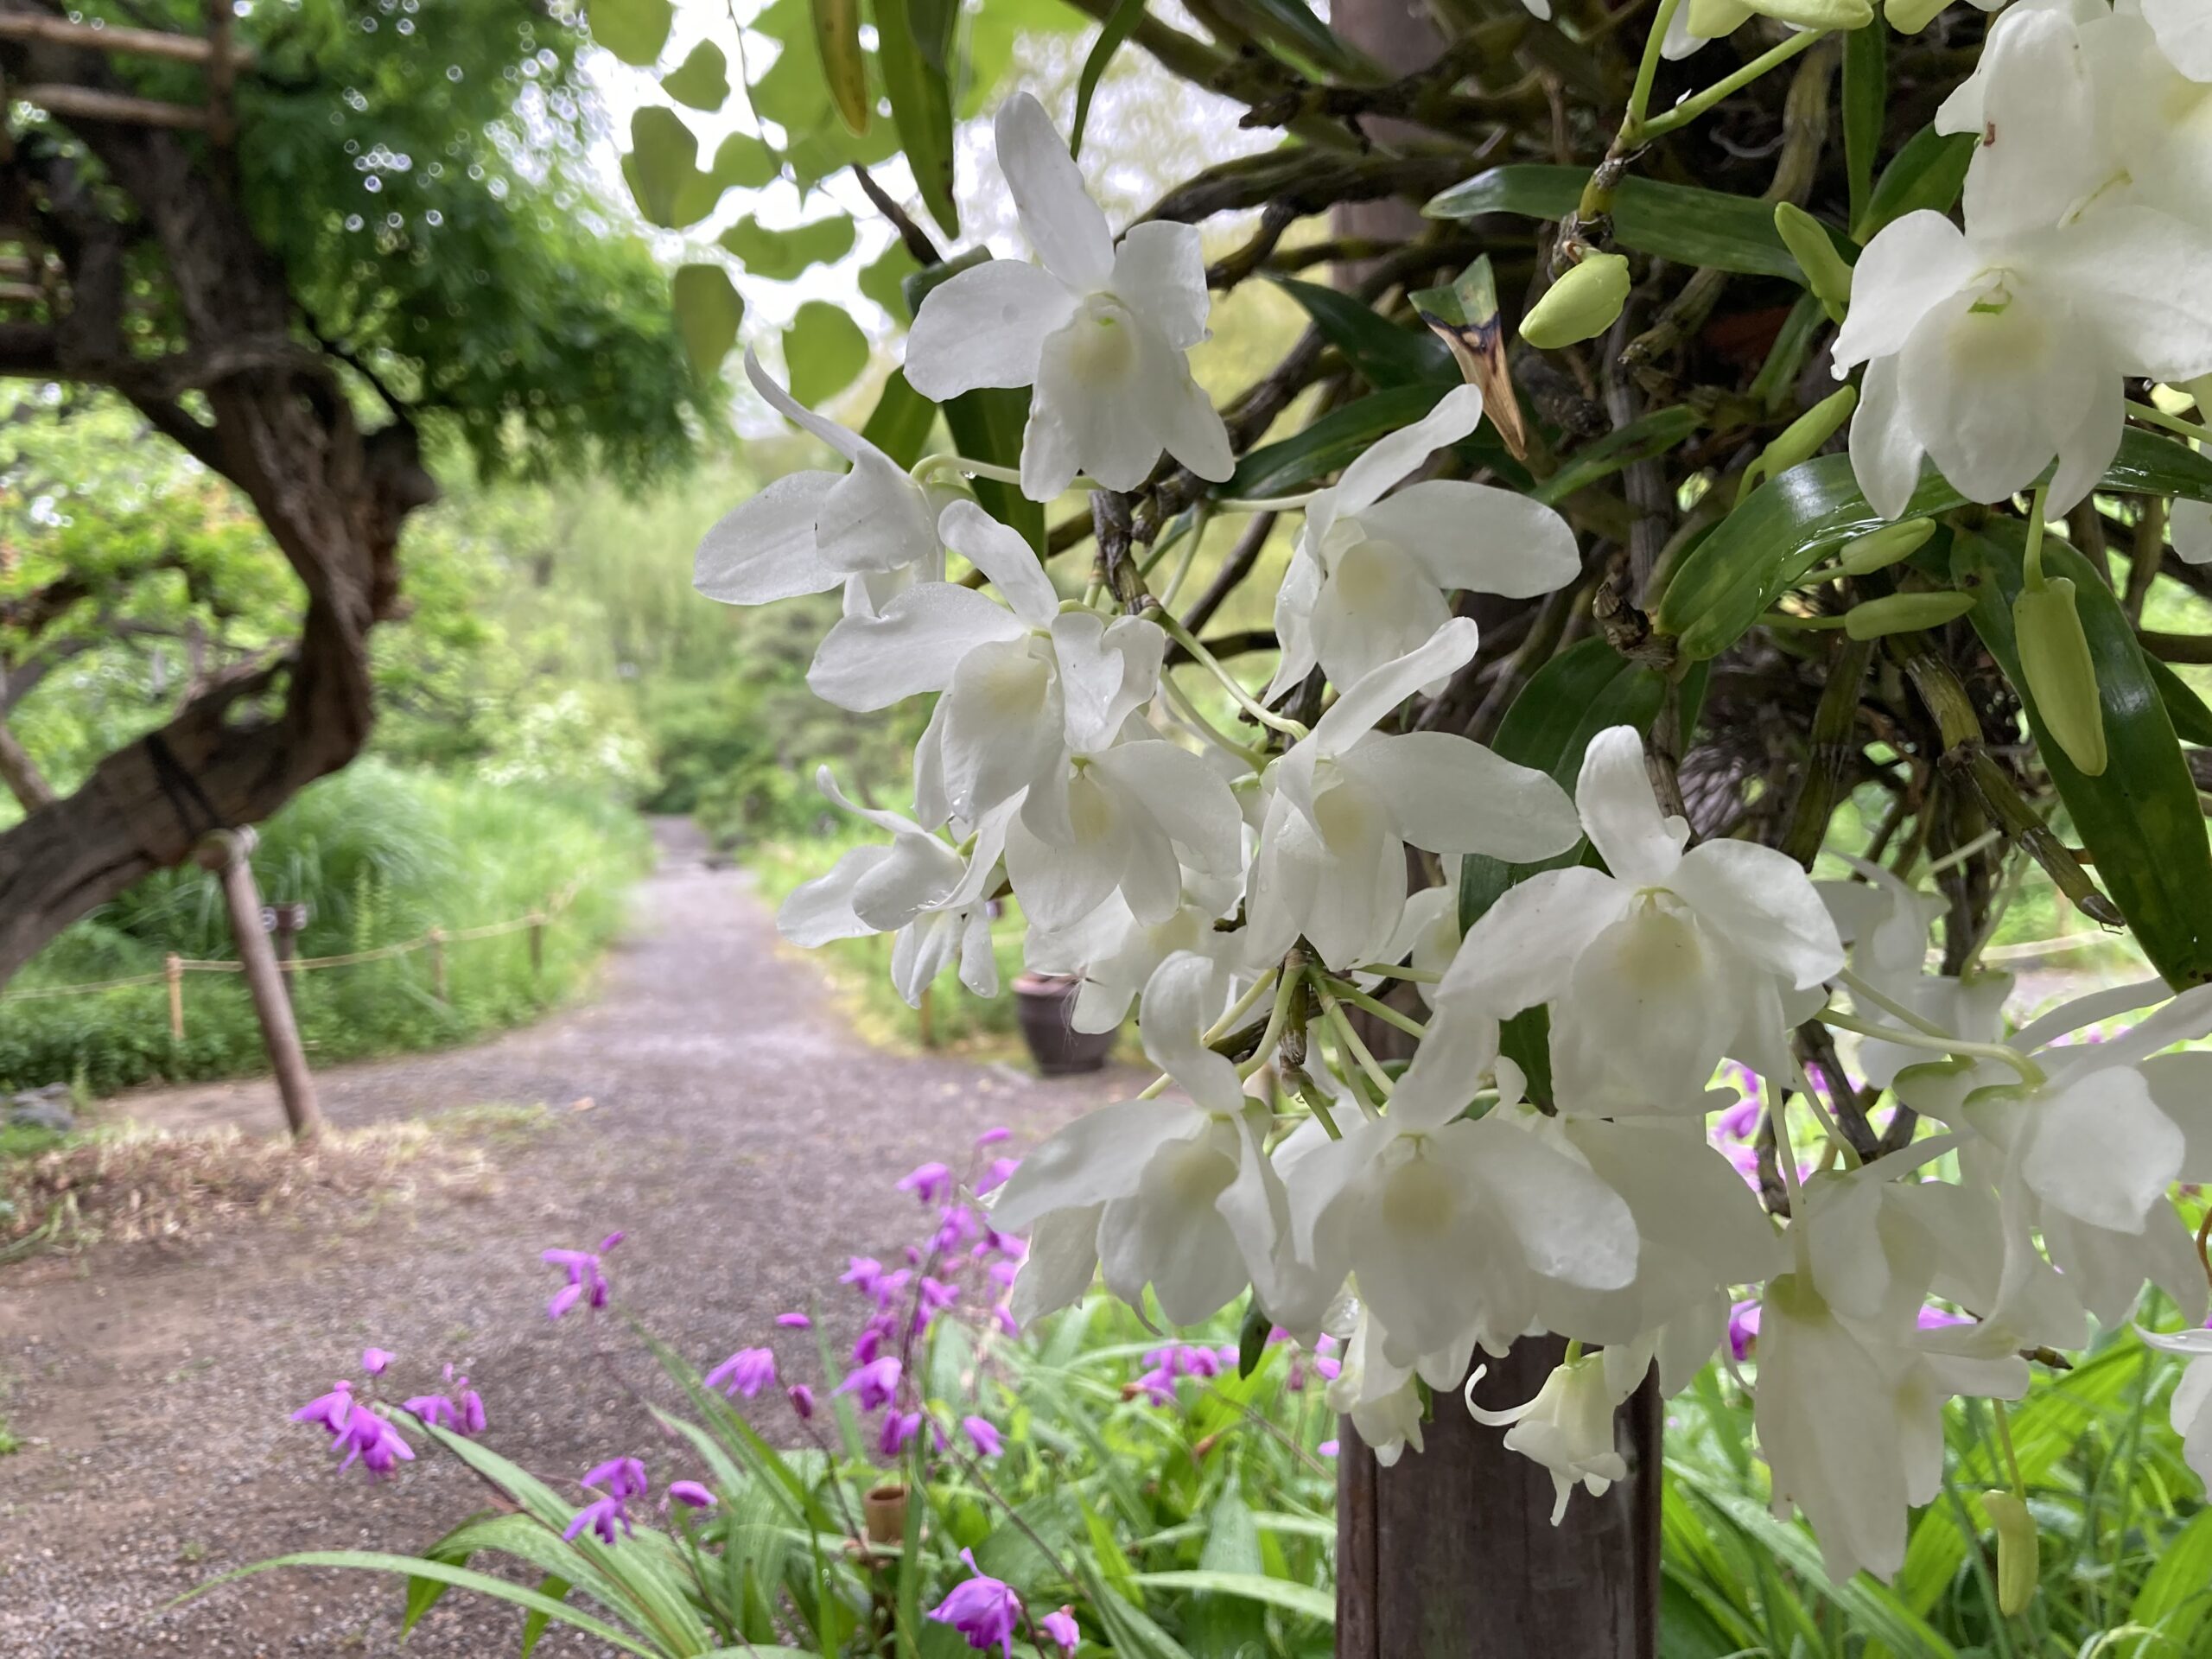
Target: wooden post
point(437, 936)
point(1452, 1553)
point(537, 944)
point(173, 967)
point(228, 853)
point(925, 1016)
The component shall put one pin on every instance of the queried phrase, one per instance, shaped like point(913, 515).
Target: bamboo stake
point(172, 968)
point(437, 936)
point(89, 103)
point(144, 42)
point(226, 852)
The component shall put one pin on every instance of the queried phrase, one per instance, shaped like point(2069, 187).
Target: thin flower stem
point(1383, 971)
point(1183, 637)
point(1332, 1011)
point(1959, 854)
point(1692, 107)
point(1245, 1004)
point(1785, 1160)
point(2031, 560)
point(1278, 1018)
point(2004, 1439)
point(1381, 1010)
point(2031, 1073)
point(1192, 540)
point(1647, 72)
point(1836, 1137)
point(1213, 733)
point(1265, 504)
point(1866, 992)
point(2173, 423)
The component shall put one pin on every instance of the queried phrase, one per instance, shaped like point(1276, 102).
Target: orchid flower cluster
point(1271, 889)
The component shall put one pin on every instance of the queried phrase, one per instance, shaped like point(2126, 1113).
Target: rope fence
point(435, 940)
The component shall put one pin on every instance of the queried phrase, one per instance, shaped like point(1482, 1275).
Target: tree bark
point(282, 431)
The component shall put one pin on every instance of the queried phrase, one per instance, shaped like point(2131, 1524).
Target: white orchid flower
point(1884, 922)
point(2190, 1410)
point(1347, 801)
point(934, 897)
point(1099, 334)
point(1661, 968)
point(1115, 955)
point(1186, 1199)
point(1382, 1398)
point(1568, 1426)
point(810, 531)
point(1508, 1210)
point(2183, 28)
point(1369, 579)
point(2085, 1157)
point(1023, 682)
point(1997, 350)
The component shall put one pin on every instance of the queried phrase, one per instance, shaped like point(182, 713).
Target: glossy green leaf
point(1332, 442)
point(1291, 28)
point(1385, 354)
point(1865, 109)
point(1303, 1600)
point(633, 30)
point(837, 40)
point(743, 163)
point(883, 279)
point(921, 103)
point(1706, 228)
point(708, 312)
point(2191, 716)
point(663, 168)
point(1778, 533)
point(553, 1588)
point(2139, 818)
point(825, 350)
point(702, 80)
point(1119, 25)
point(900, 423)
point(781, 255)
point(1928, 173)
point(1649, 435)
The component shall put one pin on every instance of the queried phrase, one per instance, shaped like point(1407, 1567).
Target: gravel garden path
point(710, 1102)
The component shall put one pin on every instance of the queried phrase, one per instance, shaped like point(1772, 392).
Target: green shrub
point(380, 856)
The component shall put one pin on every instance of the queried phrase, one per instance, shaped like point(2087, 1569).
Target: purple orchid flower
point(692, 1494)
point(618, 1478)
point(1062, 1631)
point(794, 1321)
point(992, 1137)
point(461, 1412)
point(747, 1372)
point(603, 1517)
point(374, 1442)
point(802, 1399)
point(1743, 1328)
point(876, 1382)
point(330, 1410)
point(985, 1434)
point(931, 1183)
point(374, 1360)
point(587, 1282)
point(899, 1428)
point(1000, 1173)
point(982, 1609)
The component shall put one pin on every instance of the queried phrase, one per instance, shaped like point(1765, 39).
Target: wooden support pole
point(173, 970)
point(537, 944)
point(91, 103)
point(228, 853)
point(437, 936)
point(105, 37)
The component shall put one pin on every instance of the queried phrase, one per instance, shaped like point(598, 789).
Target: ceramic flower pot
point(1046, 1005)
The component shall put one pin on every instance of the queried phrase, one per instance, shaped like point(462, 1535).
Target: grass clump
point(380, 855)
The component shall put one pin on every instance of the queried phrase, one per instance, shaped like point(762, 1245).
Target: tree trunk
point(1452, 1553)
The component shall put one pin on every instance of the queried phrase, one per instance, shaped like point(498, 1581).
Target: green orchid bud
point(2061, 676)
point(1911, 17)
point(1800, 440)
point(2017, 1566)
point(1817, 13)
point(1810, 245)
point(1904, 614)
point(1879, 550)
point(1581, 305)
point(1709, 19)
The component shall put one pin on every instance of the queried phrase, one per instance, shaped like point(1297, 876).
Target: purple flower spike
point(794, 1322)
point(747, 1372)
point(375, 1442)
point(603, 1517)
point(1062, 1631)
point(931, 1183)
point(331, 1411)
point(619, 1477)
point(585, 1282)
point(988, 1441)
point(692, 1494)
point(876, 1382)
point(374, 1360)
point(982, 1609)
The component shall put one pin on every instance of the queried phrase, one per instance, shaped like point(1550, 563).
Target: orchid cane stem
point(1692, 107)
